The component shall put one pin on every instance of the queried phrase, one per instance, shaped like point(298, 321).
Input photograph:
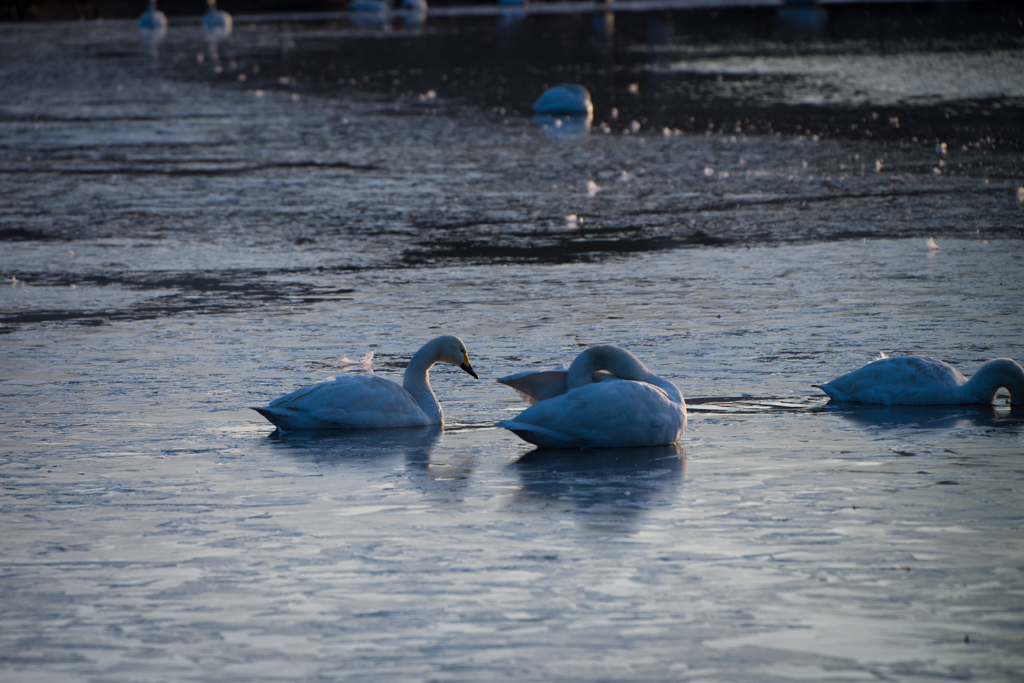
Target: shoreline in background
point(186, 11)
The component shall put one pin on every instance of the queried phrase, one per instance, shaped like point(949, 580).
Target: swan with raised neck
point(917, 380)
point(416, 380)
point(371, 401)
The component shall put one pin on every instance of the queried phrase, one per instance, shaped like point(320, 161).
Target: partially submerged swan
point(370, 401)
point(606, 399)
point(564, 99)
point(920, 381)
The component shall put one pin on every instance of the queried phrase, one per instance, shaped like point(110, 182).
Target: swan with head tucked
point(606, 399)
point(370, 401)
point(920, 381)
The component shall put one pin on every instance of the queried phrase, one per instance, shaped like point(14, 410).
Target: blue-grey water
point(191, 228)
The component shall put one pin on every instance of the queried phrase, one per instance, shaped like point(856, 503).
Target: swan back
point(347, 402)
point(564, 99)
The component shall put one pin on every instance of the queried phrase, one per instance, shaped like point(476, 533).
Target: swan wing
point(537, 386)
point(606, 414)
point(903, 380)
point(348, 402)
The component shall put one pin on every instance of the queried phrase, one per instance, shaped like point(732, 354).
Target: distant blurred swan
point(370, 401)
point(153, 18)
point(216, 23)
point(564, 99)
point(920, 381)
point(153, 27)
point(606, 399)
point(370, 6)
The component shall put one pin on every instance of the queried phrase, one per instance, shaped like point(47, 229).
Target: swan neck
point(613, 359)
point(619, 362)
point(417, 382)
point(990, 377)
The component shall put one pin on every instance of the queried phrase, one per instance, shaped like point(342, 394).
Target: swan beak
point(467, 367)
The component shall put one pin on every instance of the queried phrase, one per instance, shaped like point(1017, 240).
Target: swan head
point(450, 349)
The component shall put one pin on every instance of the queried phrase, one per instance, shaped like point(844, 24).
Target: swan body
point(564, 99)
point(606, 399)
point(153, 19)
point(216, 23)
point(370, 401)
point(920, 381)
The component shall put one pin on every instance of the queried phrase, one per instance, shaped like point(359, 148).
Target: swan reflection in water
point(389, 447)
point(564, 126)
point(611, 489)
point(925, 417)
point(407, 450)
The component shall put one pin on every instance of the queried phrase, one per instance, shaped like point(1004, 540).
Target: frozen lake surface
point(180, 242)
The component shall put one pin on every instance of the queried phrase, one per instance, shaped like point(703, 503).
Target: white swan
point(153, 19)
point(370, 401)
point(564, 99)
point(216, 24)
point(606, 399)
point(920, 381)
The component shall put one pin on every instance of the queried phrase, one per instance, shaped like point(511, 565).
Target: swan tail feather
point(832, 392)
point(537, 435)
point(276, 420)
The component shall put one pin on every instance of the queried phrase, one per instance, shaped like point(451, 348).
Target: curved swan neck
point(990, 377)
point(619, 362)
point(613, 359)
point(417, 382)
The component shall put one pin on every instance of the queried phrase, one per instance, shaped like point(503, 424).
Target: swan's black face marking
point(466, 366)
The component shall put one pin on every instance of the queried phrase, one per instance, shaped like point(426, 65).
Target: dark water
point(180, 243)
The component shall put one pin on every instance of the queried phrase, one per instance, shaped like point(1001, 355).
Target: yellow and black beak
point(466, 366)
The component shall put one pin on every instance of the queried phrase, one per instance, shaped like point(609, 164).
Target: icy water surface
point(180, 243)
